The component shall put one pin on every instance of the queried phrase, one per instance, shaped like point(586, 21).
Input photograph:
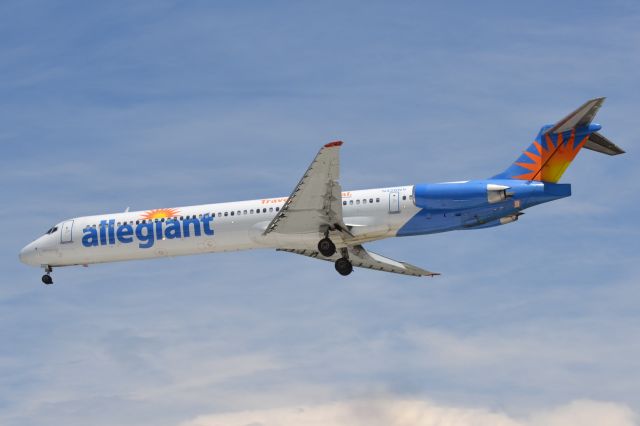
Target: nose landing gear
point(46, 278)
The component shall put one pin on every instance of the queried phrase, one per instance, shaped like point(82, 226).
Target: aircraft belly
point(305, 240)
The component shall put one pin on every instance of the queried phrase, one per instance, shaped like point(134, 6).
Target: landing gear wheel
point(46, 278)
point(343, 266)
point(326, 247)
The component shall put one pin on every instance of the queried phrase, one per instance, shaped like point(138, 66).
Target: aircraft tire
point(46, 278)
point(326, 247)
point(343, 266)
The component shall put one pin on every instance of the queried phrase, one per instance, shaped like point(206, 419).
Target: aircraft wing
point(315, 204)
point(361, 257)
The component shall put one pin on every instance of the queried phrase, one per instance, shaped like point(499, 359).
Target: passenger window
point(264, 210)
point(226, 214)
point(270, 209)
point(404, 197)
point(371, 200)
point(350, 202)
point(357, 201)
point(244, 212)
point(277, 209)
point(251, 211)
point(219, 214)
point(377, 200)
point(364, 201)
point(232, 213)
point(344, 203)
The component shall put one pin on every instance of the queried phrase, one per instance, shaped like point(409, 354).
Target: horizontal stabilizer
point(599, 143)
point(581, 117)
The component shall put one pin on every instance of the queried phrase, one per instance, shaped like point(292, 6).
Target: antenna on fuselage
point(126, 210)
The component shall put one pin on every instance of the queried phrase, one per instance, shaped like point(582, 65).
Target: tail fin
point(556, 146)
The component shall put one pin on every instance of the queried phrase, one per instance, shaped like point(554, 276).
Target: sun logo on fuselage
point(160, 213)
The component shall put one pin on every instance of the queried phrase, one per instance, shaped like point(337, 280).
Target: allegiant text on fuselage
point(146, 232)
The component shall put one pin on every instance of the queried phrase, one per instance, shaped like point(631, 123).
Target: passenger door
point(66, 230)
point(394, 202)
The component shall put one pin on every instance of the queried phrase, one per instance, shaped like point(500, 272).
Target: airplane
point(320, 220)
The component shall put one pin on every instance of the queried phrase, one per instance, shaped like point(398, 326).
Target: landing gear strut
point(326, 247)
point(344, 266)
point(46, 278)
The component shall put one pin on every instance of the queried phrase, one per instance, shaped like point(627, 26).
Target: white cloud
point(399, 412)
point(586, 413)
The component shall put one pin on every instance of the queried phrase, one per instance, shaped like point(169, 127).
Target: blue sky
point(164, 104)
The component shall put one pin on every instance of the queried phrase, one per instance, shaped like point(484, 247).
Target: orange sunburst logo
point(160, 213)
point(551, 159)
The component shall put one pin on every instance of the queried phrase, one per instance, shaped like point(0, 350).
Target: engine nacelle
point(458, 195)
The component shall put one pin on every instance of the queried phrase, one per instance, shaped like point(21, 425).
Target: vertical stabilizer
point(555, 147)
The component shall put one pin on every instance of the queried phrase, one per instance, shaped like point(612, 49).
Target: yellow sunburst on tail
point(555, 147)
point(548, 161)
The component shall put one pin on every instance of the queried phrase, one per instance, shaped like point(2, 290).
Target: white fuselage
point(370, 214)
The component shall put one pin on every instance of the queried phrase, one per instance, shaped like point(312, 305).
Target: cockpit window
point(52, 230)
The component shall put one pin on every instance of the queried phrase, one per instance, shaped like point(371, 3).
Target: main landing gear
point(343, 266)
point(46, 278)
point(326, 247)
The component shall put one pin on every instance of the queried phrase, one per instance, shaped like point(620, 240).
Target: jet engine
point(458, 195)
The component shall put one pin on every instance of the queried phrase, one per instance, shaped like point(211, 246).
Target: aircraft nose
point(28, 254)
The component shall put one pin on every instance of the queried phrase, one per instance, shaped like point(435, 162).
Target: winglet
point(332, 144)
